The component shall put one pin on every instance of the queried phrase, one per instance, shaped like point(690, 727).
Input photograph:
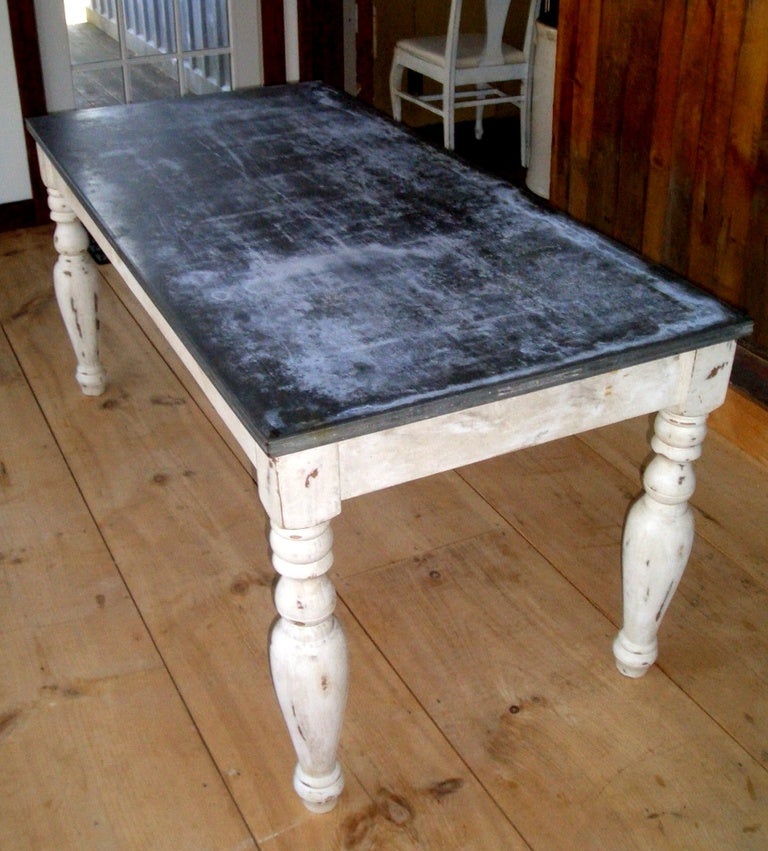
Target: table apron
point(374, 461)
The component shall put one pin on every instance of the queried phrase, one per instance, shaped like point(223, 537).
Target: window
point(122, 51)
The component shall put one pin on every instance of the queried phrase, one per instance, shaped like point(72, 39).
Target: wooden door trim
point(273, 41)
point(29, 74)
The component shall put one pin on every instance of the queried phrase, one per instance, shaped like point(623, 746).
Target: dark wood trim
point(365, 50)
point(321, 41)
point(29, 73)
point(19, 214)
point(273, 41)
point(304, 11)
point(750, 371)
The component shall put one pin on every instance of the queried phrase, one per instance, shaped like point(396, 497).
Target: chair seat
point(467, 74)
point(470, 50)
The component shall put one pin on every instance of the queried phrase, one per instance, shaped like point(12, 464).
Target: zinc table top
point(334, 276)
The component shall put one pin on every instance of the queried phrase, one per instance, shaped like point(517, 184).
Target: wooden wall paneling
point(719, 92)
point(660, 136)
point(562, 107)
point(661, 152)
point(613, 58)
point(579, 24)
point(687, 129)
point(636, 110)
point(273, 41)
point(747, 123)
point(583, 117)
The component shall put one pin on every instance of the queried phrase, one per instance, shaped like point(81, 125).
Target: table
point(363, 310)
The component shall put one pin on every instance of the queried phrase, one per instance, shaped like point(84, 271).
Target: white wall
point(14, 171)
point(54, 54)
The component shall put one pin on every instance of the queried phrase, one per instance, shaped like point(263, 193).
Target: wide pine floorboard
point(485, 711)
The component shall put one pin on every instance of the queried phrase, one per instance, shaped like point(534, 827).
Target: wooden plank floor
point(485, 713)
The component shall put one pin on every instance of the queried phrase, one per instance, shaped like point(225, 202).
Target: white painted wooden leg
point(76, 282)
point(395, 84)
point(525, 125)
point(479, 122)
point(658, 536)
point(449, 118)
point(308, 655)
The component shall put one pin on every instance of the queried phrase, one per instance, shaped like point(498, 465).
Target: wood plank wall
point(321, 39)
point(661, 136)
point(321, 36)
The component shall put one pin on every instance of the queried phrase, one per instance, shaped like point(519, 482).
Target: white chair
point(466, 65)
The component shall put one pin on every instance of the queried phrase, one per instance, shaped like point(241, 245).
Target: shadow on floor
point(498, 152)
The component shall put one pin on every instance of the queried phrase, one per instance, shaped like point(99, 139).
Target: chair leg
point(479, 111)
point(479, 122)
point(449, 119)
point(525, 130)
point(395, 84)
point(448, 131)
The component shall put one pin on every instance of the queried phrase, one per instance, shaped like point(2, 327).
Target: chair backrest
point(495, 18)
point(496, 12)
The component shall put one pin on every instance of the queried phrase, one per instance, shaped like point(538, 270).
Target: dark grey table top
point(334, 276)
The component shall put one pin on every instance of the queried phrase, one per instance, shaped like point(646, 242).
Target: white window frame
point(245, 40)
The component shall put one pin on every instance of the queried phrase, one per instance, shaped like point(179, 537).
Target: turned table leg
point(658, 536)
point(76, 282)
point(308, 655)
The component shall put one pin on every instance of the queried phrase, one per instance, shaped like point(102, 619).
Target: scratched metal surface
point(334, 276)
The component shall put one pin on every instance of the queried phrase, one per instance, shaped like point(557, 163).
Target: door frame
point(29, 76)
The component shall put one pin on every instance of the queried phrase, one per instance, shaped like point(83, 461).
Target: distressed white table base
point(308, 654)
point(76, 282)
point(303, 491)
point(658, 536)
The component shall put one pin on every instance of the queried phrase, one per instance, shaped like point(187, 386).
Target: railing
point(151, 22)
point(151, 26)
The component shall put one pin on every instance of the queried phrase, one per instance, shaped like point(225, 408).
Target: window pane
point(149, 32)
point(204, 24)
point(154, 80)
point(98, 87)
point(92, 37)
point(207, 74)
point(149, 26)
